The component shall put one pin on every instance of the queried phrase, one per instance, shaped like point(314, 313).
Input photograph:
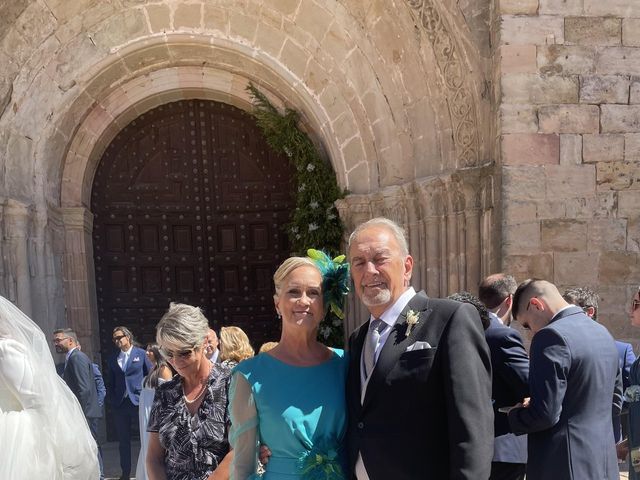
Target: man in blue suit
point(125, 371)
point(77, 372)
point(510, 380)
point(587, 299)
point(573, 368)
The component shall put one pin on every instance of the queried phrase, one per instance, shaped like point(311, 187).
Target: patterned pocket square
point(418, 346)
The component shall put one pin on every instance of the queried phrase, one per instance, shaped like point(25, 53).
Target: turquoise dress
point(298, 412)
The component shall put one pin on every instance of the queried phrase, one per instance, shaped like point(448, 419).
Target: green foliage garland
point(314, 222)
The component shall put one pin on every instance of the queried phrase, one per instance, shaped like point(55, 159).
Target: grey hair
point(183, 325)
point(396, 230)
point(288, 266)
point(68, 332)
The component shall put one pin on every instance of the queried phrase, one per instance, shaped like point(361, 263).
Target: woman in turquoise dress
point(292, 398)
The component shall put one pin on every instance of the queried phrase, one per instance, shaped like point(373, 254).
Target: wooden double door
point(190, 206)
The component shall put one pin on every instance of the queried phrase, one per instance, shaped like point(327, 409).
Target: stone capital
point(77, 218)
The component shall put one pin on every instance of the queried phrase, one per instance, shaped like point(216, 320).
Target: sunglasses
point(118, 338)
point(59, 340)
point(183, 354)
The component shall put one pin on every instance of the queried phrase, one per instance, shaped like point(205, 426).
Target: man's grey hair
point(182, 326)
point(583, 297)
point(396, 230)
point(67, 332)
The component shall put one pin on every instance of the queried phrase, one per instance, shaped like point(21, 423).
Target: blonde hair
point(288, 266)
point(183, 326)
point(266, 346)
point(235, 344)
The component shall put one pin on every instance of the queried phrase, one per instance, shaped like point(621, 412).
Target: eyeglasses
point(635, 305)
point(60, 340)
point(183, 354)
point(118, 338)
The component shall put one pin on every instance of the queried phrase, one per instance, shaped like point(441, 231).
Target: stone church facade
point(503, 134)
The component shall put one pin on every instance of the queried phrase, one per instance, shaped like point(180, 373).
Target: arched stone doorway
point(189, 204)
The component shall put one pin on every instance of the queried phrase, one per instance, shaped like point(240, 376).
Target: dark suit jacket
point(574, 363)
point(510, 385)
point(78, 375)
point(137, 367)
point(426, 413)
point(626, 357)
point(510, 368)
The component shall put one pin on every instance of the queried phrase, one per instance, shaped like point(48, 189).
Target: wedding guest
point(43, 430)
point(466, 297)
point(212, 350)
point(189, 421)
point(573, 366)
point(510, 375)
point(630, 446)
point(79, 375)
point(419, 385)
point(235, 346)
point(292, 397)
point(125, 370)
point(266, 346)
point(160, 372)
point(587, 299)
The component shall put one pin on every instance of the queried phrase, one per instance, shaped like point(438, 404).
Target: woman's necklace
point(195, 399)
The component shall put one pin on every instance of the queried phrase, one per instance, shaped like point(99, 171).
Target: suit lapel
point(396, 344)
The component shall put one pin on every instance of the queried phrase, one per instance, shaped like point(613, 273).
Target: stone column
point(79, 278)
point(16, 220)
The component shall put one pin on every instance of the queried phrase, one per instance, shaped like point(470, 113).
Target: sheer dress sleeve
point(244, 429)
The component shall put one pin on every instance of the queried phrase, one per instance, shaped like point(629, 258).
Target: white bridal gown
point(43, 432)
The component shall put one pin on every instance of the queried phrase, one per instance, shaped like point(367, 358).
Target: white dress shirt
point(389, 317)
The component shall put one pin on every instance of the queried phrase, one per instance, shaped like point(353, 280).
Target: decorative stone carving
point(460, 98)
point(447, 219)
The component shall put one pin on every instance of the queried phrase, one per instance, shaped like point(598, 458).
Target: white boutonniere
point(412, 319)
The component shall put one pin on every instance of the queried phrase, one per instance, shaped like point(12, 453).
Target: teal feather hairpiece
point(335, 279)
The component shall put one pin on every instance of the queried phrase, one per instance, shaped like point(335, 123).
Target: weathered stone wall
point(568, 72)
point(395, 93)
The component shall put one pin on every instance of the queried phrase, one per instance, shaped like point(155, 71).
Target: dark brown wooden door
point(189, 205)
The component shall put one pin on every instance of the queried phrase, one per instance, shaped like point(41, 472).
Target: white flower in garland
point(313, 227)
point(302, 187)
point(314, 204)
point(287, 151)
point(310, 167)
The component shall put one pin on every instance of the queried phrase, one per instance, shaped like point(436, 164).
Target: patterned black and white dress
point(194, 445)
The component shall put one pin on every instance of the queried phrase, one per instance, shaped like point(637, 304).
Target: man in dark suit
point(125, 372)
point(77, 372)
point(587, 299)
point(419, 382)
point(572, 375)
point(510, 382)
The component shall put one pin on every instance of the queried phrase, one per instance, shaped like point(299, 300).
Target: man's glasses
point(118, 338)
point(183, 354)
point(635, 304)
point(59, 340)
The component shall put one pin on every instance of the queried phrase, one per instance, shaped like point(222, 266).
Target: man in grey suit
point(510, 380)
point(79, 377)
point(573, 367)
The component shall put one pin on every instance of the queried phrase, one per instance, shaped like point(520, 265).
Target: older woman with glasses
point(189, 422)
point(631, 445)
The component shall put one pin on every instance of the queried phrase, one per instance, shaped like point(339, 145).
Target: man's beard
point(380, 298)
point(60, 349)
